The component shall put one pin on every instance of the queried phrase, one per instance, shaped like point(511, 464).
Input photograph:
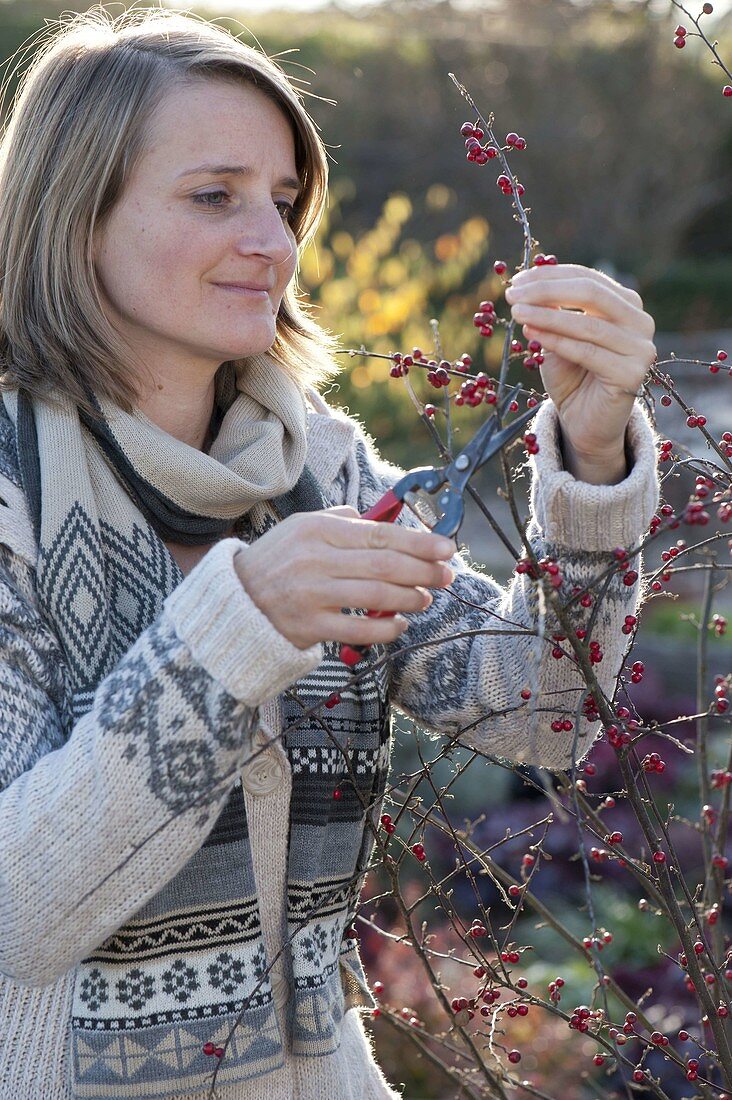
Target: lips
point(245, 286)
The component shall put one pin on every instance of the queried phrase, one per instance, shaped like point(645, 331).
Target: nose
point(264, 234)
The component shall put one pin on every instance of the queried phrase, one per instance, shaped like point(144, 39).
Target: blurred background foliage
point(628, 168)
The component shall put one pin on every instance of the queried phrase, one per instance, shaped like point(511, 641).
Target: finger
point(344, 510)
point(377, 596)
point(615, 369)
point(585, 294)
point(360, 629)
point(585, 326)
point(346, 532)
point(389, 566)
point(558, 272)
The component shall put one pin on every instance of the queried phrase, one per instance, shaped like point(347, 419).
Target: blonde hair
point(78, 124)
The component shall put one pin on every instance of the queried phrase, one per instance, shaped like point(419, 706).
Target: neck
point(182, 408)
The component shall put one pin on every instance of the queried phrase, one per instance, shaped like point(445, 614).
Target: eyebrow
point(289, 182)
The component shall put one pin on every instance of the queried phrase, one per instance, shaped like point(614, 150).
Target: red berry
point(419, 852)
point(727, 92)
point(219, 1052)
point(680, 31)
point(500, 267)
point(209, 1048)
point(707, 9)
point(659, 857)
point(514, 1056)
point(679, 43)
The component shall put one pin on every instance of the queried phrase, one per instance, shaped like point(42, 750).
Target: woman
point(183, 820)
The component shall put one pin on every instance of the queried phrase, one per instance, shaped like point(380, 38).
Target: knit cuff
point(229, 636)
point(578, 515)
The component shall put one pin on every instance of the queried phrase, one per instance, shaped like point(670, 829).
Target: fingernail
point(401, 621)
point(426, 597)
point(448, 574)
point(446, 546)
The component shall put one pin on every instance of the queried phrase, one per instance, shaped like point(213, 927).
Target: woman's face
point(195, 256)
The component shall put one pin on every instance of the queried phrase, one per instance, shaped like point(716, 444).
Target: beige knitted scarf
point(102, 495)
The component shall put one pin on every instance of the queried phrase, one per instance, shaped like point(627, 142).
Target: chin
point(254, 344)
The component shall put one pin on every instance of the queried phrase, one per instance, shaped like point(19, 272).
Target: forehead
point(223, 118)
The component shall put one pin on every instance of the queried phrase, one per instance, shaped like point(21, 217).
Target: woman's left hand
point(594, 361)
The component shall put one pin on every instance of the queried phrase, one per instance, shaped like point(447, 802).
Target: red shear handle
point(385, 510)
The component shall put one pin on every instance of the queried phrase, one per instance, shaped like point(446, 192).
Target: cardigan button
point(264, 774)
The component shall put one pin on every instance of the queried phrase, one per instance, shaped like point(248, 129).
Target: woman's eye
point(207, 198)
point(287, 210)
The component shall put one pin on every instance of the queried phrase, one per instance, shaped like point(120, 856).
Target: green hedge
point(692, 295)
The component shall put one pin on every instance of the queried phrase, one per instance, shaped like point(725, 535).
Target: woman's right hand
point(303, 571)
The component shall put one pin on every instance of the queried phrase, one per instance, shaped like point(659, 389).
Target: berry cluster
point(481, 154)
point(477, 153)
point(714, 368)
point(652, 762)
point(473, 391)
point(637, 670)
point(621, 557)
point(211, 1049)
point(580, 1018)
point(721, 696)
point(719, 779)
point(485, 318)
point(553, 989)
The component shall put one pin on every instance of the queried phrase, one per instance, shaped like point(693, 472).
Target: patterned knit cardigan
point(125, 868)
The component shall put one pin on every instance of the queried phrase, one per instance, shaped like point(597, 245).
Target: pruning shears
point(436, 492)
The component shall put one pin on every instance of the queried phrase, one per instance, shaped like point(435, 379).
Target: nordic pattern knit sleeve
point(459, 685)
point(95, 819)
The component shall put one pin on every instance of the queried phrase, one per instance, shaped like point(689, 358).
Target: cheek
point(286, 271)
